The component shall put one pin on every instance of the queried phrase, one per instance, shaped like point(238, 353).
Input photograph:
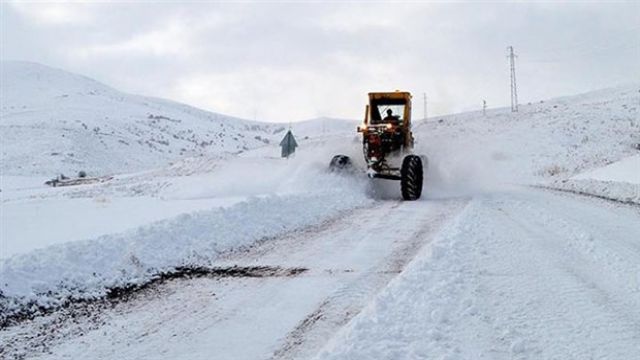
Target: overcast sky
point(284, 61)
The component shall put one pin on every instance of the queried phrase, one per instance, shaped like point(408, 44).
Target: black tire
point(411, 175)
point(340, 163)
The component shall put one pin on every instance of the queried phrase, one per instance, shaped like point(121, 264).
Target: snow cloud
point(283, 61)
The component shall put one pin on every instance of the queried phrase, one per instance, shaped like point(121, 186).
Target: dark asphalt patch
point(119, 294)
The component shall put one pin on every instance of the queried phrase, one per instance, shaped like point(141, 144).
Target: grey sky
point(290, 61)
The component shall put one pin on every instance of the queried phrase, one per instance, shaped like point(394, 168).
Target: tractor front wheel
point(340, 163)
point(411, 175)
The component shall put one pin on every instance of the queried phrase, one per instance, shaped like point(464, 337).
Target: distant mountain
point(53, 121)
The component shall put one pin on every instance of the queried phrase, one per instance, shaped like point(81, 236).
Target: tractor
point(387, 143)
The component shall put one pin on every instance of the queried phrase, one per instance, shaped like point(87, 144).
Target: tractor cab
point(389, 115)
point(388, 119)
point(385, 110)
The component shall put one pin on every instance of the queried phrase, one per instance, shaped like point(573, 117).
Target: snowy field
point(544, 141)
point(486, 265)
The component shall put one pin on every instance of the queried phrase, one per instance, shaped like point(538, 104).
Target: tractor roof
point(390, 95)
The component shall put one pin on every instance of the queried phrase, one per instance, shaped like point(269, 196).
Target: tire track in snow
point(346, 302)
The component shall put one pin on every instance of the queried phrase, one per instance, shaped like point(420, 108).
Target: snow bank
point(612, 190)
point(263, 196)
point(619, 181)
point(626, 170)
point(87, 269)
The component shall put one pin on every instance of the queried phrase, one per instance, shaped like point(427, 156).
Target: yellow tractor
point(387, 143)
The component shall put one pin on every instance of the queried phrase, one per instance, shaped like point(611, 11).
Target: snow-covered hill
point(547, 140)
point(58, 122)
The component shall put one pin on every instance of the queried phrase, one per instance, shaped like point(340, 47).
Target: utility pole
point(514, 90)
point(425, 106)
point(484, 107)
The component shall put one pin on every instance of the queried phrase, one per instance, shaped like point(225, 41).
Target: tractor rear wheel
point(340, 163)
point(411, 176)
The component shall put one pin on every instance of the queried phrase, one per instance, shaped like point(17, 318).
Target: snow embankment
point(626, 170)
point(37, 223)
point(263, 198)
point(619, 181)
point(88, 269)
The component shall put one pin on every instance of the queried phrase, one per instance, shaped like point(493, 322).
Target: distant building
point(288, 144)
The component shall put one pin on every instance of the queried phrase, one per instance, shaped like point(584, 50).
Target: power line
point(514, 89)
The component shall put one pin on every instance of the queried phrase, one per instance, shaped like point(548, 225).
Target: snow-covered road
point(349, 260)
point(517, 274)
point(525, 274)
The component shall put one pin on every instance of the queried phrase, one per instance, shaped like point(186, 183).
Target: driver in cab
point(391, 119)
